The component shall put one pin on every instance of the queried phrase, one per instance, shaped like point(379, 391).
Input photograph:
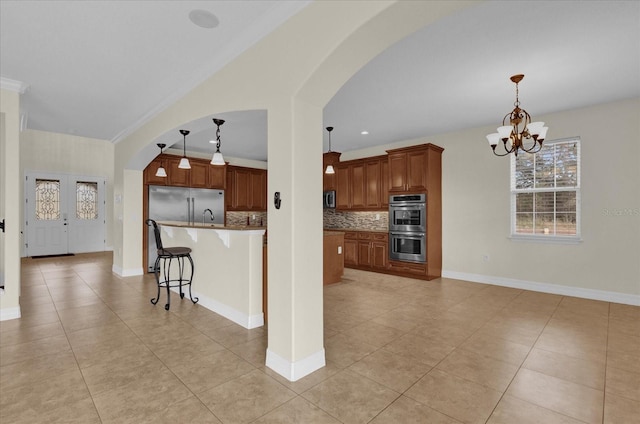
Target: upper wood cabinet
point(201, 175)
point(329, 180)
point(150, 173)
point(198, 174)
point(409, 167)
point(362, 184)
point(248, 189)
point(217, 176)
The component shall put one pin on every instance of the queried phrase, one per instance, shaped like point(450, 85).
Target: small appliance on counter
point(329, 199)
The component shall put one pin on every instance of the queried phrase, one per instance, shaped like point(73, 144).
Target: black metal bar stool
point(167, 255)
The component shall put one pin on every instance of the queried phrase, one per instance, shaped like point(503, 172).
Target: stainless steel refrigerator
point(185, 205)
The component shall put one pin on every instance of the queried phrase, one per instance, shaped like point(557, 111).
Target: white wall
point(476, 208)
point(68, 154)
point(10, 205)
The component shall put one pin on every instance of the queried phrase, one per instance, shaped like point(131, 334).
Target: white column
point(10, 203)
point(295, 345)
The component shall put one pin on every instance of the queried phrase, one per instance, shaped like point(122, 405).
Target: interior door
point(46, 214)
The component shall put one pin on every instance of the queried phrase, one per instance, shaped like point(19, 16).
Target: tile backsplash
point(356, 220)
point(240, 218)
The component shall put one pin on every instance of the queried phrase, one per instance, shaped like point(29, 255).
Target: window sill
point(546, 239)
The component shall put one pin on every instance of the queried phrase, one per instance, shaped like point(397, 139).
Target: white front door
point(64, 214)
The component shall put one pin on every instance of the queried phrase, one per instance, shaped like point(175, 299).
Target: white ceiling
point(101, 69)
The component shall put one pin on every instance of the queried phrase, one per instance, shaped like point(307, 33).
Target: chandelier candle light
point(217, 158)
point(521, 133)
point(184, 162)
point(161, 172)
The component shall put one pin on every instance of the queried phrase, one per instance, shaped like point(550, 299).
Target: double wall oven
point(408, 227)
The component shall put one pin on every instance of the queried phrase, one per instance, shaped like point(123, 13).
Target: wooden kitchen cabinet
point(359, 184)
point(217, 176)
point(247, 188)
point(149, 175)
point(176, 176)
point(409, 168)
point(329, 180)
point(343, 186)
point(351, 249)
point(198, 174)
point(367, 250)
point(384, 183)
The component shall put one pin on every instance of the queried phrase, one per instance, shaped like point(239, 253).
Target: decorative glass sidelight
point(47, 200)
point(86, 200)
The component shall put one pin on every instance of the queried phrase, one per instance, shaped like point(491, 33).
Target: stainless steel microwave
point(329, 199)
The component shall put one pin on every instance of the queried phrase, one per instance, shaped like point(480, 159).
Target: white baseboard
point(126, 272)
point(10, 313)
point(606, 296)
point(294, 371)
point(240, 318)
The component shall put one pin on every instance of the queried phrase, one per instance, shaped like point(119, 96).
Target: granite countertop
point(211, 226)
point(343, 230)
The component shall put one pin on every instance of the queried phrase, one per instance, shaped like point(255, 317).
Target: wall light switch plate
point(339, 250)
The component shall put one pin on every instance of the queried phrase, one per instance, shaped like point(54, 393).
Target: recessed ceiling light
point(365, 132)
point(203, 18)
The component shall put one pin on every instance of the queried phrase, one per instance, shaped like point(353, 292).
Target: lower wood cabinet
point(366, 250)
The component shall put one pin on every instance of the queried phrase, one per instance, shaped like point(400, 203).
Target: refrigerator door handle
point(188, 211)
point(193, 210)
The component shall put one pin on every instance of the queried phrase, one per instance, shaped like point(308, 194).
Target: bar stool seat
point(167, 255)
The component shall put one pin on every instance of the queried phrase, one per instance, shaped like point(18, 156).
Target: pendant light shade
point(217, 158)
point(161, 172)
point(184, 162)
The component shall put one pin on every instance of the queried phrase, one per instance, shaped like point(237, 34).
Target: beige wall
point(10, 206)
point(476, 208)
point(68, 154)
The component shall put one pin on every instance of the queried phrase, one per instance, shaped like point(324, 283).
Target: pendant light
point(217, 158)
point(184, 162)
point(161, 172)
point(329, 169)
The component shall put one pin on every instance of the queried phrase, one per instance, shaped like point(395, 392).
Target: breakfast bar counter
point(227, 275)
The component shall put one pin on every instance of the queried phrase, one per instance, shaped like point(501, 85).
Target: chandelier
point(520, 133)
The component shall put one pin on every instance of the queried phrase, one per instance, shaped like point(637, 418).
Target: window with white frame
point(545, 192)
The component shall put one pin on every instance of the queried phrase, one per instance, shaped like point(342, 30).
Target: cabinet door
point(150, 173)
point(177, 176)
point(364, 253)
point(379, 254)
point(229, 193)
point(242, 189)
point(351, 252)
point(384, 183)
point(372, 184)
point(343, 183)
point(416, 171)
point(397, 171)
point(258, 186)
point(199, 176)
point(217, 174)
point(357, 186)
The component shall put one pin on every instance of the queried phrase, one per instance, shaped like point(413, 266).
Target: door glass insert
point(86, 200)
point(47, 200)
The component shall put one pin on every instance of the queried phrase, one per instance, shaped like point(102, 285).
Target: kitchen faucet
point(210, 213)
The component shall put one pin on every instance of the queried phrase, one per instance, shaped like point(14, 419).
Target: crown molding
point(13, 85)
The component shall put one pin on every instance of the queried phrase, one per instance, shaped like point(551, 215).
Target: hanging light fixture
point(520, 133)
point(329, 169)
point(161, 172)
point(184, 162)
point(217, 158)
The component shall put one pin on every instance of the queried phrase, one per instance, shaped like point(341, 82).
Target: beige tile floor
point(90, 348)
